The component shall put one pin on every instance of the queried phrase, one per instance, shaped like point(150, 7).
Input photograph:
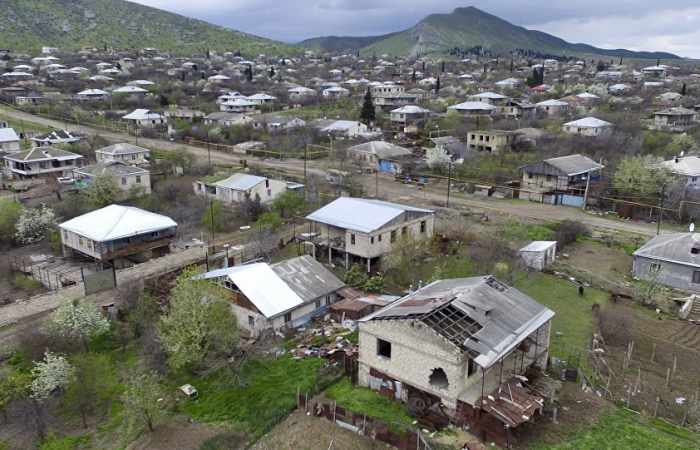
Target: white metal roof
point(360, 214)
point(263, 287)
point(473, 106)
point(686, 165)
point(130, 90)
point(588, 122)
point(240, 182)
point(116, 222)
point(8, 135)
point(552, 102)
point(142, 114)
point(538, 246)
point(93, 92)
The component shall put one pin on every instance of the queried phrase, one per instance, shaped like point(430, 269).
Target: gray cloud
point(671, 25)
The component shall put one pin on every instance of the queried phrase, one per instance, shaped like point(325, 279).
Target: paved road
point(389, 189)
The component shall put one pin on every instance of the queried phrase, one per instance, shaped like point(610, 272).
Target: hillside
point(470, 27)
point(29, 24)
point(341, 43)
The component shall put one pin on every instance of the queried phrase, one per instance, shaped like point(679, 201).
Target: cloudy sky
point(669, 25)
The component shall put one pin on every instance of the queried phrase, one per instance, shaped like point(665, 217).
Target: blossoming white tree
point(54, 372)
point(79, 321)
point(34, 223)
point(437, 158)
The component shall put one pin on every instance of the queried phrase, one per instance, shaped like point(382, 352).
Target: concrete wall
point(670, 274)
point(379, 243)
point(12, 146)
point(82, 244)
point(588, 131)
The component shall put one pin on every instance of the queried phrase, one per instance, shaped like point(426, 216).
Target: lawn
point(574, 319)
point(365, 401)
point(623, 430)
point(262, 396)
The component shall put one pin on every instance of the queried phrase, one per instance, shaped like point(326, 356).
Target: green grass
point(266, 393)
point(518, 231)
point(623, 430)
point(573, 313)
point(365, 401)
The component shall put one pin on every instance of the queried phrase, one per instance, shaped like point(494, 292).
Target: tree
point(684, 89)
point(249, 73)
point(289, 203)
point(442, 66)
point(145, 401)
point(413, 76)
point(270, 220)
point(78, 321)
point(12, 387)
point(199, 322)
point(49, 375)
point(251, 208)
point(92, 386)
point(368, 114)
point(356, 276)
point(102, 191)
point(34, 223)
point(437, 158)
point(638, 175)
point(437, 85)
point(272, 71)
point(10, 212)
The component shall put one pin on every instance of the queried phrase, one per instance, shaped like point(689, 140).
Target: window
point(404, 230)
point(267, 183)
point(318, 304)
point(133, 157)
point(138, 179)
point(328, 299)
point(438, 378)
point(251, 322)
point(392, 237)
point(383, 348)
point(81, 243)
point(371, 240)
point(352, 239)
point(379, 237)
point(695, 250)
point(288, 317)
point(123, 181)
point(471, 368)
point(654, 267)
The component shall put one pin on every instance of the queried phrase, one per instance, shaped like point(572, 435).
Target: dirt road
point(388, 189)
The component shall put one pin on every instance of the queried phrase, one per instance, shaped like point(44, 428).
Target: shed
point(539, 254)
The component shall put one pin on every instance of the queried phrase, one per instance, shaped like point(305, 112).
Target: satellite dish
point(691, 228)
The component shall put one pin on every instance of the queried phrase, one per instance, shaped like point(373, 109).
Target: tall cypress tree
point(437, 85)
point(367, 114)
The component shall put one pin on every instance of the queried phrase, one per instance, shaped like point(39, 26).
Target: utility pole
point(209, 153)
point(449, 183)
point(306, 156)
point(585, 193)
point(376, 182)
point(661, 202)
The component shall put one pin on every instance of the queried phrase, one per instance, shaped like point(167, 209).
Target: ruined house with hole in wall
point(460, 348)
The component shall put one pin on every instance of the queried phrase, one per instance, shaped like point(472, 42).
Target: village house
point(241, 186)
point(491, 98)
point(144, 118)
point(365, 229)
point(123, 152)
point(509, 83)
point(493, 141)
point(588, 126)
point(340, 128)
point(559, 181)
point(409, 118)
point(92, 95)
point(55, 137)
point(670, 259)
point(262, 99)
point(335, 93)
point(654, 72)
point(519, 109)
point(381, 156)
point(130, 179)
point(41, 162)
point(465, 345)
point(675, 119)
point(238, 105)
point(184, 114)
point(9, 140)
point(118, 235)
point(474, 109)
point(228, 119)
point(273, 297)
point(458, 150)
point(134, 92)
point(301, 93)
point(273, 123)
point(686, 167)
point(552, 107)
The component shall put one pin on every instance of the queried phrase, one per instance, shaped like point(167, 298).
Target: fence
point(396, 435)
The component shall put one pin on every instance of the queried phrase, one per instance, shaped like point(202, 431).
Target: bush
point(569, 232)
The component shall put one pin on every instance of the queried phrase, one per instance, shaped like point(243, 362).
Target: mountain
point(70, 24)
point(466, 28)
point(337, 44)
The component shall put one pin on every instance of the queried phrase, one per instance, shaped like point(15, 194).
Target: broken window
point(383, 348)
point(696, 276)
point(288, 317)
point(471, 367)
point(438, 378)
point(352, 239)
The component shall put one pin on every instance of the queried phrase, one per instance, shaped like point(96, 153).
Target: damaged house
point(460, 348)
point(278, 296)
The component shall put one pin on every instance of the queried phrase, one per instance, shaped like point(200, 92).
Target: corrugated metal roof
point(538, 246)
point(307, 277)
point(672, 247)
point(359, 214)
point(381, 149)
point(123, 148)
point(491, 317)
point(240, 182)
point(8, 135)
